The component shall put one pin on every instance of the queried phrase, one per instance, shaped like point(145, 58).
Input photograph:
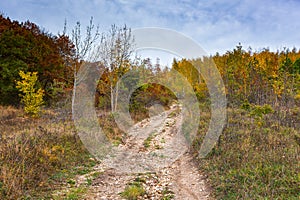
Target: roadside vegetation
point(253, 159)
point(257, 155)
point(38, 155)
point(133, 191)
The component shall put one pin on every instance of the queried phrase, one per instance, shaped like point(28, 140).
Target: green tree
point(26, 47)
point(12, 60)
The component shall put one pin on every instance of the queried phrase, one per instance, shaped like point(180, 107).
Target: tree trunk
point(116, 97)
point(112, 98)
point(74, 93)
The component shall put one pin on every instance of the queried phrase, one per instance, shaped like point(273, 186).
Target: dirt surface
point(156, 155)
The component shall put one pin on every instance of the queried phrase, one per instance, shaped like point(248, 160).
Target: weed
point(133, 191)
point(167, 194)
point(148, 140)
point(71, 182)
point(75, 194)
point(89, 181)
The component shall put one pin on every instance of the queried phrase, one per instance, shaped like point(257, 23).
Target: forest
point(256, 156)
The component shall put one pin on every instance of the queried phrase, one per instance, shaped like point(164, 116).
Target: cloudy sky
point(217, 25)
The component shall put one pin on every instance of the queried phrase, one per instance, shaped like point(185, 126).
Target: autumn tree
point(115, 50)
point(24, 46)
point(32, 97)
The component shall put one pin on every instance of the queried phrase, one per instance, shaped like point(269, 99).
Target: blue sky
point(217, 26)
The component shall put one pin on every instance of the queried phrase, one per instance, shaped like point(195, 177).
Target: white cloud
point(216, 25)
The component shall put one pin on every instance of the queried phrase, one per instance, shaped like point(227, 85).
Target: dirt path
point(156, 157)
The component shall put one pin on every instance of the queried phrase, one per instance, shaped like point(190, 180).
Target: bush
point(31, 97)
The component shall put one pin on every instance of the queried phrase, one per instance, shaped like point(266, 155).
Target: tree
point(115, 50)
point(31, 97)
point(83, 50)
point(24, 46)
point(12, 60)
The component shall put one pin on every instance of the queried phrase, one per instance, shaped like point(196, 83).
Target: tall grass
point(32, 150)
point(256, 157)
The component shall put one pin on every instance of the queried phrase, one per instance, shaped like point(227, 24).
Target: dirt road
point(154, 155)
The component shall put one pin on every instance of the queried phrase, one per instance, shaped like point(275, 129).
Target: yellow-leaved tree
point(31, 97)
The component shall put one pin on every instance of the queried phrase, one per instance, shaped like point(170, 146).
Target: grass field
point(257, 156)
point(37, 156)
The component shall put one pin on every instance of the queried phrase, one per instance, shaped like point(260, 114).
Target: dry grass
point(256, 157)
point(32, 150)
point(39, 155)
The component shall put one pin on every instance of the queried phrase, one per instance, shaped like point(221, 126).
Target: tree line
point(262, 77)
point(25, 46)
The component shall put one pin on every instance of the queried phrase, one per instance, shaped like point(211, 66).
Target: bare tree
point(115, 50)
point(83, 49)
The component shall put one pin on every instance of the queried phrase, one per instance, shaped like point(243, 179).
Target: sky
point(216, 25)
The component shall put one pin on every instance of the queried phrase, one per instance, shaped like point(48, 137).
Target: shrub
point(31, 97)
point(261, 110)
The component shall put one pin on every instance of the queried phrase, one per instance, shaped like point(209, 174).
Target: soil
point(155, 154)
